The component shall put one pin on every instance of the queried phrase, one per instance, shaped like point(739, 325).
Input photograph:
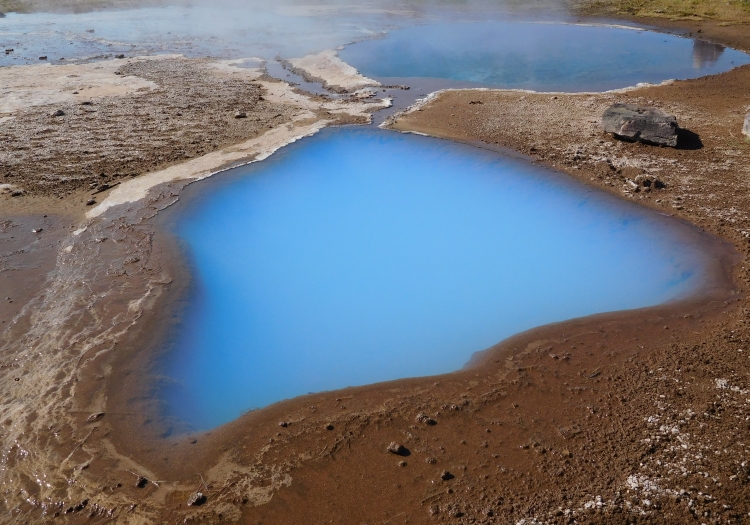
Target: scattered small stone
point(90, 202)
point(43, 57)
point(434, 510)
point(430, 461)
point(283, 424)
point(9, 51)
point(425, 419)
point(475, 102)
point(57, 113)
point(396, 448)
point(642, 124)
point(329, 427)
point(196, 499)
point(141, 482)
point(240, 114)
point(445, 475)
point(95, 417)
point(746, 127)
point(37, 230)
point(567, 454)
point(119, 56)
point(402, 463)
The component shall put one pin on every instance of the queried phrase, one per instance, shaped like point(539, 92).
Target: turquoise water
point(539, 56)
point(360, 255)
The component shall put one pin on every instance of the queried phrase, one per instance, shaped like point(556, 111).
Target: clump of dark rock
point(641, 124)
point(196, 499)
point(43, 57)
point(396, 448)
point(647, 183)
point(445, 475)
point(425, 419)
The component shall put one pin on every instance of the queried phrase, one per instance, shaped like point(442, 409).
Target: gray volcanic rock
point(746, 127)
point(637, 123)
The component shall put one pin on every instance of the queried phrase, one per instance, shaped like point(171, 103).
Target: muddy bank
point(74, 132)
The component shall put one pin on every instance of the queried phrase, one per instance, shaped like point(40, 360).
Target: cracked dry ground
point(105, 140)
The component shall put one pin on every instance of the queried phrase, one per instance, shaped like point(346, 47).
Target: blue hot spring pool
point(360, 255)
point(538, 56)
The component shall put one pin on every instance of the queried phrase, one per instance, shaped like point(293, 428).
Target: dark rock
point(141, 482)
point(2, 15)
point(240, 114)
point(746, 127)
point(648, 125)
point(445, 475)
point(196, 499)
point(329, 427)
point(57, 113)
point(43, 57)
point(283, 424)
point(90, 202)
point(16, 193)
point(425, 419)
point(119, 56)
point(396, 448)
point(9, 51)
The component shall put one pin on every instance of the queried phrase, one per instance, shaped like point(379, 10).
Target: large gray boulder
point(746, 127)
point(649, 125)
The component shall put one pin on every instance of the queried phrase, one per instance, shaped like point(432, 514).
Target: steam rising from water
point(227, 29)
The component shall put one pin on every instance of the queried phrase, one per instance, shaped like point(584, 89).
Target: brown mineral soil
point(639, 416)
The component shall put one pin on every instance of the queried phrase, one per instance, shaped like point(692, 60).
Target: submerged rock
point(746, 127)
point(642, 124)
